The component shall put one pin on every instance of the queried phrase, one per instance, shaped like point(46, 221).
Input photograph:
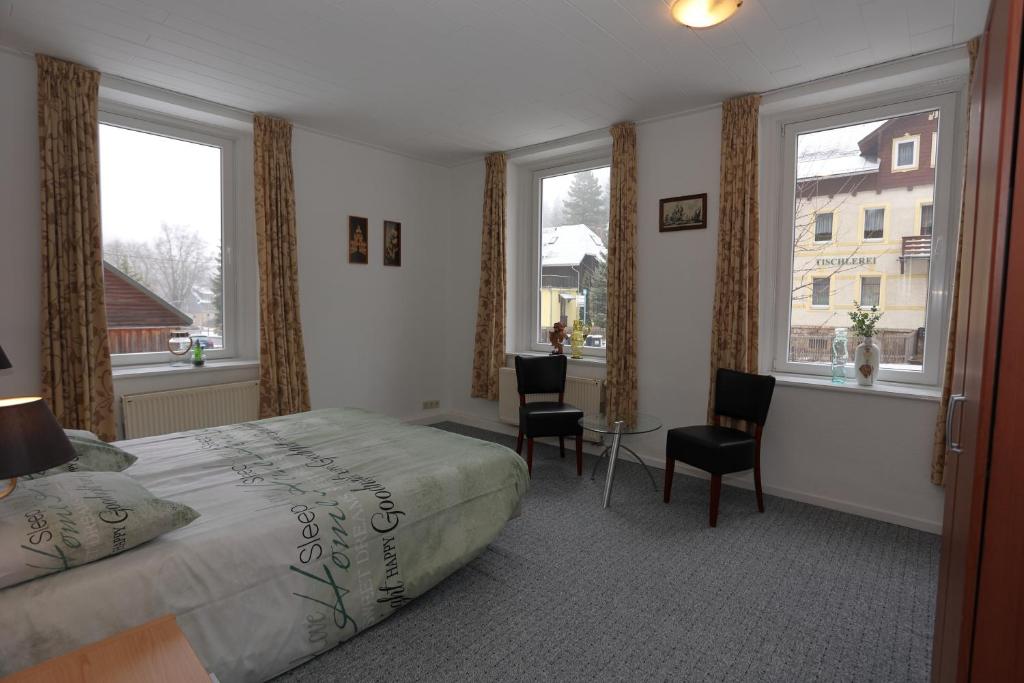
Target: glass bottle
point(840, 353)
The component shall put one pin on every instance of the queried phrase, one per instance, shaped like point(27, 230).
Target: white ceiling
point(445, 80)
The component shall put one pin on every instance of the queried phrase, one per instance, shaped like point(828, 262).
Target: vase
point(839, 356)
point(865, 362)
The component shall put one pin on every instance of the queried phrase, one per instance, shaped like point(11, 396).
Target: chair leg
point(529, 456)
point(757, 485)
point(561, 446)
point(579, 454)
point(716, 493)
point(670, 470)
point(519, 443)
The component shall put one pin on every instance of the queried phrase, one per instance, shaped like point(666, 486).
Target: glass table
point(617, 428)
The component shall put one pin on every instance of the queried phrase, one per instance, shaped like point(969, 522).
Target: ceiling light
point(703, 13)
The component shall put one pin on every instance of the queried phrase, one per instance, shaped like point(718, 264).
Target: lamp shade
point(5, 364)
point(30, 438)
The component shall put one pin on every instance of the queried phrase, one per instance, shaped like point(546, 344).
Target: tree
point(217, 285)
point(597, 296)
point(131, 258)
point(179, 264)
point(587, 203)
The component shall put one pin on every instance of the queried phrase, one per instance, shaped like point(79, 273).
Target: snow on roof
point(835, 152)
point(566, 245)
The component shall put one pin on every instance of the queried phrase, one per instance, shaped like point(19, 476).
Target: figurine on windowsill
point(557, 338)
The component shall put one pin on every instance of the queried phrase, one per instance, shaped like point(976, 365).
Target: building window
point(870, 291)
point(935, 147)
point(840, 161)
point(874, 223)
point(927, 217)
point(572, 237)
point(820, 292)
point(823, 227)
point(164, 215)
point(905, 152)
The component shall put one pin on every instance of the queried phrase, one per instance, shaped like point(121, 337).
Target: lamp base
point(9, 489)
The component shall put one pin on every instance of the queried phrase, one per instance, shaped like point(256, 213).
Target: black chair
point(723, 450)
point(546, 375)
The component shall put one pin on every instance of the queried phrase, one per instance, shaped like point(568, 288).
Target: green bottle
point(197, 354)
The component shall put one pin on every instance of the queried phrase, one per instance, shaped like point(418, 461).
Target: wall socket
point(431, 405)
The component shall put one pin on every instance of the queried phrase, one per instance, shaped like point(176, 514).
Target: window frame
point(828, 292)
point(864, 208)
point(873, 276)
point(896, 167)
point(189, 131)
point(780, 148)
point(587, 163)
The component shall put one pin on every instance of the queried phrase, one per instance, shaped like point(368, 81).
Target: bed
point(314, 528)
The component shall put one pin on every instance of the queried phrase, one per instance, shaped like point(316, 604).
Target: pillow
point(92, 454)
point(66, 520)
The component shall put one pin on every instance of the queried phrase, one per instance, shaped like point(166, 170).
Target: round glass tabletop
point(603, 425)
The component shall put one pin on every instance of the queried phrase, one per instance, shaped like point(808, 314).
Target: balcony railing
point(915, 246)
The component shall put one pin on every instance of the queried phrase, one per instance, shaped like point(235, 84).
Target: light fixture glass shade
point(31, 440)
point(704, 13)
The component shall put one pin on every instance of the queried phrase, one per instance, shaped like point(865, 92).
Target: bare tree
point(172, 266)
point(131, 258)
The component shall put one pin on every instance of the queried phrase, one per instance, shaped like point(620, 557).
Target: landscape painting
point(689, 212)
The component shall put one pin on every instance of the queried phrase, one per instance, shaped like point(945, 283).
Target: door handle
point(954, 401)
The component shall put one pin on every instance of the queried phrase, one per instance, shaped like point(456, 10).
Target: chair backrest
point(541, 374)
point(743, 395)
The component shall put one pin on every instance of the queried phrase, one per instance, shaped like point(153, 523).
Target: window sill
point(894, 389)
point(586, 360)
point(125, 371)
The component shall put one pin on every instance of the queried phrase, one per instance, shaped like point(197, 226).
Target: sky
point(146, 180)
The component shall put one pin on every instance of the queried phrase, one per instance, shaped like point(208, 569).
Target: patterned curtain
point(734, 326)
point(939, 444)
point(490, 311)
point(77, 380)
point(284, 386)
point(621, 357)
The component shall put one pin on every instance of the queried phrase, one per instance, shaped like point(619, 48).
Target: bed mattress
point(314, 528)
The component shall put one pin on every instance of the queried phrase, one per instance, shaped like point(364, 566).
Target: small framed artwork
point(392, 243)
point(683, 213)
point(358, 244)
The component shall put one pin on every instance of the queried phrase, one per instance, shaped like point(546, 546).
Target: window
point(837, 161)
point(820, 291)
point(823, 227)
point(163, 209)
point(870, 291)
point(874, 224)
point(927, 216)
point(905, 152)
point(935, 147)
point(572, 232)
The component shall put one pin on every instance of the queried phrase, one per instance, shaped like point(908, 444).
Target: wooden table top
point(153, 652)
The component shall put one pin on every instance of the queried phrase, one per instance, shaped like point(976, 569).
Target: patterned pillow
point(67, 520)
point(92, 454)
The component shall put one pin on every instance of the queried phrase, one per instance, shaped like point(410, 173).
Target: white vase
point(865, 362)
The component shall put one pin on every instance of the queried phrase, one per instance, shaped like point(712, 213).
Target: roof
point(131, 304)
point(836, 152)
point(567, 245)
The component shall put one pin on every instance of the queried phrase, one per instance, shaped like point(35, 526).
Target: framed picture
point(683, 213)
point(392, 243)
point(358, 243)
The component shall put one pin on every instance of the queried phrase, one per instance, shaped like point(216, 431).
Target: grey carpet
point(646, 591)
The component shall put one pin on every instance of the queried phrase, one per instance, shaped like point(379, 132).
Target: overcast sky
point(146, 180)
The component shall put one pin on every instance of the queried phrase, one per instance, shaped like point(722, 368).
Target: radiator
point(583, 392)
point(164, 412)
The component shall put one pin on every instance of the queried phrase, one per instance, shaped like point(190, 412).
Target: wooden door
point(992, 161)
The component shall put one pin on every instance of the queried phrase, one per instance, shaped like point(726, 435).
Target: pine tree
point(587, 202)
point(217, 285)
point(597, 296)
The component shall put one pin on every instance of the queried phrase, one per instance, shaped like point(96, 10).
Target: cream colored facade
point(849, 257)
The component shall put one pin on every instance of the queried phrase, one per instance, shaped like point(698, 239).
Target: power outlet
point(431, 405)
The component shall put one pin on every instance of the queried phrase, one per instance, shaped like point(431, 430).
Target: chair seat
point(718, 450)
point(549, 418)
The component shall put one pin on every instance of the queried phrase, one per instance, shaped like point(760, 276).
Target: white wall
point(862, 453)
point(375, 336)
point(19, 226)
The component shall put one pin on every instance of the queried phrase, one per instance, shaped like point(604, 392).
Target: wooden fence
point(814, 345)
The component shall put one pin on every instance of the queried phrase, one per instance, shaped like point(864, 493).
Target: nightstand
point(153, 652)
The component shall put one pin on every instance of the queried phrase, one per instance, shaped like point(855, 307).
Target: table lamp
point(4, 363)
point(30, 440)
